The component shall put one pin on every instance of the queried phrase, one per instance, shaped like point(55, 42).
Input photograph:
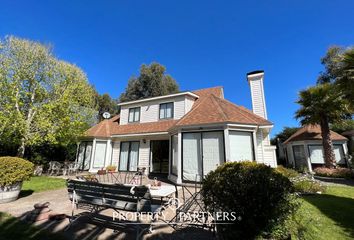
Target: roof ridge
point(214, 98)
point(242, 110)
point(191, 111)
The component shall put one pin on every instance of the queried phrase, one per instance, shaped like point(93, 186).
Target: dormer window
point(166, 110)
point(134, 114)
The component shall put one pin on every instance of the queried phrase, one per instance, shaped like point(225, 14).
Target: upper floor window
point(134, 114)
point(166, 110)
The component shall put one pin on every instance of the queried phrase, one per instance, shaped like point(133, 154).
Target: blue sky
point(202, 43)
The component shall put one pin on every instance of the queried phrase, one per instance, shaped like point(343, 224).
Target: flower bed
point(334, 172)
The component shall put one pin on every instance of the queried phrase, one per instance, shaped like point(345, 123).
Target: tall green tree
point(282, 136)
point(339, 70)
point(42, 99)
point(323, 105)
point(152, 81)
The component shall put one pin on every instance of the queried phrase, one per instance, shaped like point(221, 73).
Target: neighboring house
point(304, 148)
point(182, 135)
point(350, 135)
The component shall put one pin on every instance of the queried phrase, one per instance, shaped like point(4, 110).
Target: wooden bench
point(95, 197)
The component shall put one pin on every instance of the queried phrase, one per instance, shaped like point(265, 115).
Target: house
point(182, 135)
point(350, 135)
point(304, 148)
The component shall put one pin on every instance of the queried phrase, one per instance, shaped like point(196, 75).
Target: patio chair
point(54, 167)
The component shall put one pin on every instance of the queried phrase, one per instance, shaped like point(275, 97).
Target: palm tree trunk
point(329, 156)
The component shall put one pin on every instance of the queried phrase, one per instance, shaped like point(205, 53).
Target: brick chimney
point(255, 79)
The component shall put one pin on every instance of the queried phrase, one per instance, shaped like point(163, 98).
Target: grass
point(12, 228)
point(327, 216)
point(43, 183)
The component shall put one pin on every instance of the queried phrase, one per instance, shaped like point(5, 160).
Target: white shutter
point(316, 154)
point(339, 154)
point(192, 160)
point(100, 155)
point(123, 159)
point(213, 151)
point(241, 146)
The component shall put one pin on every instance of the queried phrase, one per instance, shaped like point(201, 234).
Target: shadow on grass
point(25, 193)
point(339, 209)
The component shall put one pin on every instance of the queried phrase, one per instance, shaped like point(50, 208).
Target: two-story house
point(182, 135)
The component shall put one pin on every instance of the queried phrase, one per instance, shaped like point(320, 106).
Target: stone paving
point(60, 204)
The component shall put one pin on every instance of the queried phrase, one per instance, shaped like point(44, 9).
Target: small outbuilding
point(304, 148)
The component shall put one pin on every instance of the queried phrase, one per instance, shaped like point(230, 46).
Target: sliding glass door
point(84, 155)
point(202, 152)
point(129, 156)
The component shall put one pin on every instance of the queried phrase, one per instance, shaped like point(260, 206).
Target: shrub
point(258, 194)
point(287, 172)
point(308, 186)
point(334, 172)
point(13, 170)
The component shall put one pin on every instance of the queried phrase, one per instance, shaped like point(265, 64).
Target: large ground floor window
point(100, 154)
point(241, 146)
point(129, 156)
point(317, 154)
point(202, 152)
point(84, 155)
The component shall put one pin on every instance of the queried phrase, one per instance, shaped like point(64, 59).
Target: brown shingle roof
point(311, 132)
point(151, 127)
point(210, 107)
point(213, 109)
point(103, 128)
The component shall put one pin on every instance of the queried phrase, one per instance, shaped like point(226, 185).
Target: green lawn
point(42, 183)
point(327, 216)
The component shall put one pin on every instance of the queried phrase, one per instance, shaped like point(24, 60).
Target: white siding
point(144, 154)
point(115, 153)
point(149, 111)
point(188, 104)
point(259, 148)
point(257, 94)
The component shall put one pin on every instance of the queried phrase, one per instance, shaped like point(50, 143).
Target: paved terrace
point(60, 204)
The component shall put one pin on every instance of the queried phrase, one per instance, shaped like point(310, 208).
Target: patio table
point(164, 191)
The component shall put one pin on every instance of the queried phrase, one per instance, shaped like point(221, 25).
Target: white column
point(227, 144)
point(108, 153)
point(92, 154)
point(307, 155)
point(179, 161)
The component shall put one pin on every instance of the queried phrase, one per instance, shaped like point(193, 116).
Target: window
point(339, 153)
point(299, 156)
point(316, 154)
point(134, 114)
point(241, 146)
point(166, 110)
point(174, 165)
point(129, 156)
point(100, 154)
point(202, 153)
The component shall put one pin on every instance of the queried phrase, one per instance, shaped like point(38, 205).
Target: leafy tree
point(285, 133)
point(323, 104)
point(152, 81)
point(42, 99)
point(106, 104)
point(339, 70)
point(343, 126)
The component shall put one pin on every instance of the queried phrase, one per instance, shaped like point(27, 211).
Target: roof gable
point(312, 132)
point(213, 109)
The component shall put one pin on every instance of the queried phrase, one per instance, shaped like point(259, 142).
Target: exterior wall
point(290, 153)
point(259, 147)
point(149, 111)
point(115, 152)
point(257, 93)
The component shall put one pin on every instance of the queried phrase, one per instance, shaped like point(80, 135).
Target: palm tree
point(323, 105)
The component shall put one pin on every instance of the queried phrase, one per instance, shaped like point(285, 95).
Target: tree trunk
point(329, 156)
point(21, 149)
